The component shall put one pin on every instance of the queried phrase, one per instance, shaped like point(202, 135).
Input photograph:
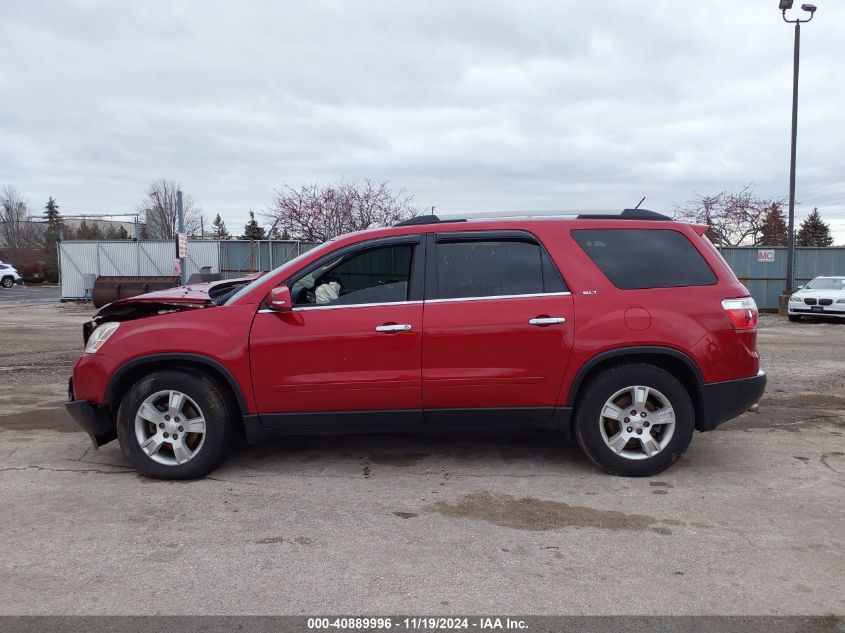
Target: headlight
point(795, 299)
point(100, 336)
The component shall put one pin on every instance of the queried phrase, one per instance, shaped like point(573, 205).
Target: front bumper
point(831, 310)
point(96, 421)
point(722, 401)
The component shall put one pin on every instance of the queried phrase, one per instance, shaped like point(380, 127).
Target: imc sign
point(765, 255)
point(183, 245)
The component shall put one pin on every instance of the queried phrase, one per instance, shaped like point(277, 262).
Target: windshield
point(826, 283)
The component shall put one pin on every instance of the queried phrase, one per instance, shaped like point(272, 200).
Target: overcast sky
point(466, 105)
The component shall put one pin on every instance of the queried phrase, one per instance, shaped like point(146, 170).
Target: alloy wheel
point(170, 427)
point(637, 422)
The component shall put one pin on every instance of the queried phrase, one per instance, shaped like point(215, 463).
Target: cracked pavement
point(750, 521)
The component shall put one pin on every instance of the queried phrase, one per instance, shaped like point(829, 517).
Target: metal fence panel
point(76, 259)
point(200, 254)
point(155, 257)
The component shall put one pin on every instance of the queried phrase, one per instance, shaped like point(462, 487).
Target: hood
point(191, 297)
point(820, 293)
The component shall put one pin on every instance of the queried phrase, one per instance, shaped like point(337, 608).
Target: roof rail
point(625, 214)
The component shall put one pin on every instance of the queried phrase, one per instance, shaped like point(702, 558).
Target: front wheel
point(8, 282)
point(634, 420)
point(175, 425)
point(794, 318)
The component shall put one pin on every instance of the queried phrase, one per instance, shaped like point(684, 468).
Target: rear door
point(497, 331)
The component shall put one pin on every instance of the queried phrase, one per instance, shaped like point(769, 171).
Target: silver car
point(824, 296)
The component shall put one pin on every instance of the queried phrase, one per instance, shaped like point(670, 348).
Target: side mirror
point(800, 287)
point(280, 299)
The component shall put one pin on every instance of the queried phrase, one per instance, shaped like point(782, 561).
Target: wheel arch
point(674, 361)
point(128, 373)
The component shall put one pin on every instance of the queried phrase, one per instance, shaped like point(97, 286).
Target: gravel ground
point(750, 521)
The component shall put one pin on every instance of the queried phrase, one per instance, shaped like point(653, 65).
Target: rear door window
point(475, 268)
point(635, 259)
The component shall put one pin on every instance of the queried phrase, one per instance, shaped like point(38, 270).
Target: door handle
point(395, 327)
point(547, 321)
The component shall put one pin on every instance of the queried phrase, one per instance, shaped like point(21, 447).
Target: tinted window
point(645, 258)
point(486, 269)
point(378, 275)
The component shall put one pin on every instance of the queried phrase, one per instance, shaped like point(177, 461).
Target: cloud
point(471, 105)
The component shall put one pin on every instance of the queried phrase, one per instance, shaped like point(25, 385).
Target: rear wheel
point(8, 282)
point(634, 420)
point(175, 425)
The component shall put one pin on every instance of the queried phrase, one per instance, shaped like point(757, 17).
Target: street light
point(790, 248)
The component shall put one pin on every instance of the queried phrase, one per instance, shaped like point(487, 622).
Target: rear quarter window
point(634, 259)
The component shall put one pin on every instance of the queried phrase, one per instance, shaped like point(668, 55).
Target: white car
point(9, 276)
point(824, 296)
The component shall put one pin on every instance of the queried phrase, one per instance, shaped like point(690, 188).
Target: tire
point(670, 429)
point(794, 318)
point(8, 282)
point(150, 414)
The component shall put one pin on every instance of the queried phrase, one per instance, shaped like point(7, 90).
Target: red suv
point(627, 330)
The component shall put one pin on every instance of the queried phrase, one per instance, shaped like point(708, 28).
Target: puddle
point(528, 513)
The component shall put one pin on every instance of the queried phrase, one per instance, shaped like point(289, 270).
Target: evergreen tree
point(773, 230)
point(814, 231)
point(51, 213)
point(89, 232)
point(116, 232)
point(218, 229)
point(51, 236)
point(252, 231)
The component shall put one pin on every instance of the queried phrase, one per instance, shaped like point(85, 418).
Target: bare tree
point(735, 219)
point(16, 228)
point(316, 212)
point(158, 211)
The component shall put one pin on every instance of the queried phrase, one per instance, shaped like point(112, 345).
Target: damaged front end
point(192, 297)
point(136, 310)
point(95, 415)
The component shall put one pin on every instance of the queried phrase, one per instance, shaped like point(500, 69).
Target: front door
point(351, 344)
point(497, 328)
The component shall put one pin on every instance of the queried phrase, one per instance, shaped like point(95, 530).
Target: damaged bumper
point(96, 421)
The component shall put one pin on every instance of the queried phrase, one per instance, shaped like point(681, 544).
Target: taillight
point(741, 312)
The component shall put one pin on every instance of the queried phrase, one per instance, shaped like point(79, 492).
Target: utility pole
point(180, 223)
point(790, 246)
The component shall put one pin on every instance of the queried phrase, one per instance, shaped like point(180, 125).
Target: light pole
point(790, 244)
